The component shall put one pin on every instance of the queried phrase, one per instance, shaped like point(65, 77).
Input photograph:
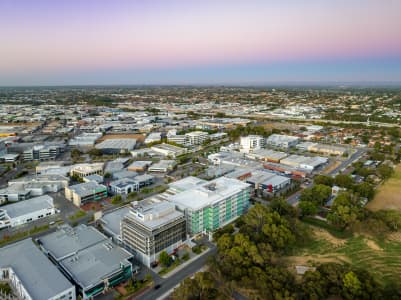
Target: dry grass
point(388, 195)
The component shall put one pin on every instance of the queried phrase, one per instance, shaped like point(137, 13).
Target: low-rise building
point(282, 141)
point(269, 182)
point(304, 162)
point(153, 137)
point(31, 275)
point(83, 170)
point(169, 150)
point(82, 193)
point(196, 137)
point(124, 186)
point(39, 185)
point(152, 227)
point(139, 165)
point(163, 166)
point(111, 146)
point(23, 212)
point(88, 258)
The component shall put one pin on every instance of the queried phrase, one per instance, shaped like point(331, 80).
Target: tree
point(165, 259)
point(318, 194)
point(365, 189)
point(345, 210)
point(116, 199)
point(352, 285)
point(344, 181)
point(323, 179)
point(308, 208)
point(385, 171)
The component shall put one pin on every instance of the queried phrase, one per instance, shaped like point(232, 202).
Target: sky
point(69, 42)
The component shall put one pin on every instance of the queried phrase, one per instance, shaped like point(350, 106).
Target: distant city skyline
point(257, 42)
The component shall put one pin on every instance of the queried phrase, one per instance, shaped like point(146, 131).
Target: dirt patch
point(313, 260)
point(139, 137)
point(323, 234)
point(331, 167)
point(388, 195)
point(394, 237)
point(372, 245)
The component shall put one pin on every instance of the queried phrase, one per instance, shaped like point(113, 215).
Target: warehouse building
point(85, 192)
point(85, 139)
point(152, 227)
point(322, 148)
point(139, 165)
point(267, 155)
point(23, 212)
point(87, 258)
point(268, 182)
point(31, 275)
point(282, 141)
point(304, 162)
point(213, 204)
point(111, 223)
point(38, 185)
point(169, 150)
point(111, 146)
point(163, 166)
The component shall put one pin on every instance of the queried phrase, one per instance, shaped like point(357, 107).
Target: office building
point(152, 227)
point(169, 150)
point(162, 166)
point(43, 152)
point(112, 146)
point(85, 192)
point(83, 170)
point(31, 275)
point(196, 137)
point(252, 142)
point(124, 186)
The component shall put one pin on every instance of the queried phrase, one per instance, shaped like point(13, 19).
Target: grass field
point(388, 195)
point(381, 258)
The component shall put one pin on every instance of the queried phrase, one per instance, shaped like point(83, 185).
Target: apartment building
point(213, 204)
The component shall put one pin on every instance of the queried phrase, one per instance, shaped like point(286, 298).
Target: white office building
point(282, 141)
point(252, 142)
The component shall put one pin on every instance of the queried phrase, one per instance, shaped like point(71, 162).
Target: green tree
point(344, 181)
point(164, 258)
point(345, 211)
point(323, 179)
point(308, 208)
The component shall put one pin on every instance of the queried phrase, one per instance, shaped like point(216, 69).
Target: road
point(169, 283)
point(353, 158)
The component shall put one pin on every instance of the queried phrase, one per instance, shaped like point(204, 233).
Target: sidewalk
point(183, 265)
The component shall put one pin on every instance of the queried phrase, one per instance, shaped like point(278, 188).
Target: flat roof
point(22, 208)
point(96, 263)
point(86, 188)
point(67, 240)
point(186, 183)
point(154, 214)
point(209, 193)
point(38, 275)
point(111, 221)
point(117, 144)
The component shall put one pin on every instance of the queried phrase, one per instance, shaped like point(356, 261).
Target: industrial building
point(153, 137)
point(169, 150)
point(304, 162)
point(31, 275)
point(213, 204)
point(85, 192)
point(282, 141)
point(267, 155)
point(87, 258)
point(111, 146)
point(251, 143)
point(23, 212)
point(152, 227)
point(38, 185)
point(163, 166)
point(323, 148)
point(139, 165)
point(85, 139)
point(268, 182)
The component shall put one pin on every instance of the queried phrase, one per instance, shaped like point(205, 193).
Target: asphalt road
point(353, 158)
point(173, 280)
